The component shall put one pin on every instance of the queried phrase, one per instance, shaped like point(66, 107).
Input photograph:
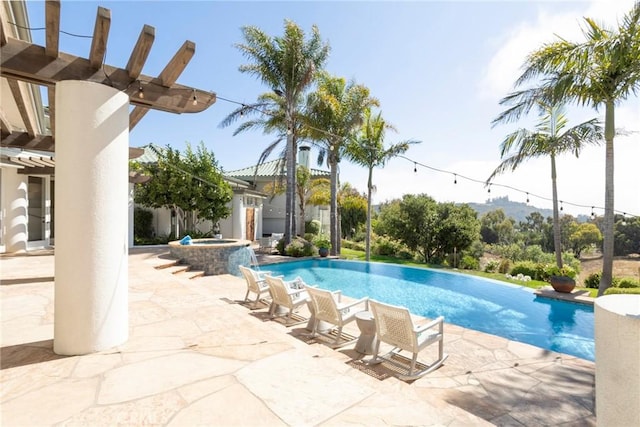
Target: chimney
point(303, 155)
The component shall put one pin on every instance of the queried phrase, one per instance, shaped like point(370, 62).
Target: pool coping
point(577, 296)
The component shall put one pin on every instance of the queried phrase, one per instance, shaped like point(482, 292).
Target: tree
point(353, 210)
point(429, 228)
point(583, 236)
point(191, 185)
point(549, 139)
point(627, 235)
point(602, 70)
point(368, 150)
point(334, 112)
point(287, 65)
point(497, 228)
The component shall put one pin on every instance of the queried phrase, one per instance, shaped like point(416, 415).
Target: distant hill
point(516, 210)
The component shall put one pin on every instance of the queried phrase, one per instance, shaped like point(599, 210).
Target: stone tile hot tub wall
point(213, 258)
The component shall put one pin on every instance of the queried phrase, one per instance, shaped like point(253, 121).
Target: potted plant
point(323, 244)
point(562, 279)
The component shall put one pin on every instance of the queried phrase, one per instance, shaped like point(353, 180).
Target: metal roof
point(270, 169)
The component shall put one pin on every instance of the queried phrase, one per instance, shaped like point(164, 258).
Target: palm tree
point(334, 112)
point(368, 150)
point(549, 139)
point(603, 70)
point(287, 65)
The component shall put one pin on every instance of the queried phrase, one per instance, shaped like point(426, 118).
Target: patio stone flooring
point(196, 356)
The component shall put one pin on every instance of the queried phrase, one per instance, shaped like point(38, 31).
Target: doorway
point(36, 211)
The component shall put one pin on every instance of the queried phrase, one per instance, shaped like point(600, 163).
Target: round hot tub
point(213, 256)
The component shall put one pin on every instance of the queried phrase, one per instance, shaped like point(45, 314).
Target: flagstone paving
point(195, 356)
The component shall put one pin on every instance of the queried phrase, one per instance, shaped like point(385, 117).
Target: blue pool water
point(509, 311)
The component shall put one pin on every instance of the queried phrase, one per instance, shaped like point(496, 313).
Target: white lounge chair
point(327, 307)
point(255, 283)
point(395, 326)
point(284, 296)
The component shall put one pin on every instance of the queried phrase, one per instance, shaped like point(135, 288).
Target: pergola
point(24, 63)
point(92, 190)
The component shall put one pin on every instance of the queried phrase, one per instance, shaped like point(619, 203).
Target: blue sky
point(438, 69)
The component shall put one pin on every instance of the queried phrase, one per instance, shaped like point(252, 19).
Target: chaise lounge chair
point(395, 326)
point(327, 307)
point(255, 283)
point(285, 295)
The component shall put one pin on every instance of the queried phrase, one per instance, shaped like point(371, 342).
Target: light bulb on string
point(561, 208)
point(195, 99)
point(140, 90)
point(489, 189)
point(593, 214)
point(455, 178)
point(527, 197)
point(242, 111)
point(415, 167)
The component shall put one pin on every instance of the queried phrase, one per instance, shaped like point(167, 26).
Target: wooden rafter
point(5, 125)
point(51, 96)
point(19, 92)
point(22, 62)
point(141, 51)
point(52, 18)
point(167, 77)
point(28, 62)
point(100, 36)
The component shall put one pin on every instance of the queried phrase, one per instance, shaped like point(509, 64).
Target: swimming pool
point(498, 308)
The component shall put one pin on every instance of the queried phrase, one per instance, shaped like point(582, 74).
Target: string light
point(415, 167)
point(140, 90)
point(593, 214)
point(561, 208)
point(195, 99)
point(416, 163)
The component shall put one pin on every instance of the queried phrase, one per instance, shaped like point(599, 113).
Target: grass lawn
point(534, 284)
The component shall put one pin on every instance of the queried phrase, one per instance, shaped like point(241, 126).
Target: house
point(245, 221)
point(273, 210)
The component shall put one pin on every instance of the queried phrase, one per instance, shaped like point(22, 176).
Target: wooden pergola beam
point(24, 140)
point(52, 23)
point(178, 63)
point(141, 51)
point(5, 125)
point(28, 62)
point(19, 92)
point(168, 77)
point(47, 170)
point(100, 36)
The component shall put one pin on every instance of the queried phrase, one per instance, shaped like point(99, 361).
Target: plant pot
point(562, 283)
point(323, 252)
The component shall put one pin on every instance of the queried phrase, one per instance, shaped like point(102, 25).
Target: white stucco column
point(238, 217)
point(617, 338)
point(131, 202)
point(91, 277)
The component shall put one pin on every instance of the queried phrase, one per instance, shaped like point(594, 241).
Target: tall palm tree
point(603, 70)
point(368, 150)
point(334, 112)
point(549, 139)
point(287, 65)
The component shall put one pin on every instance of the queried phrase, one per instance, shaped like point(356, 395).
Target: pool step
point(174, 266)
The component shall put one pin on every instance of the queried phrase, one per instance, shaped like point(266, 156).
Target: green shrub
point(299, 247)
point(356, 246)
point(566, 270)
point(613, 290)
point(312, 227)
point(405, 253)
point(593, 280)
point(627, 282)
point(280, 246)
point(385, 246)
point(504, 266)
point(469, 263)
point(526, 268)
point(321, 241)
point(491, 267)
point(143, 223)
